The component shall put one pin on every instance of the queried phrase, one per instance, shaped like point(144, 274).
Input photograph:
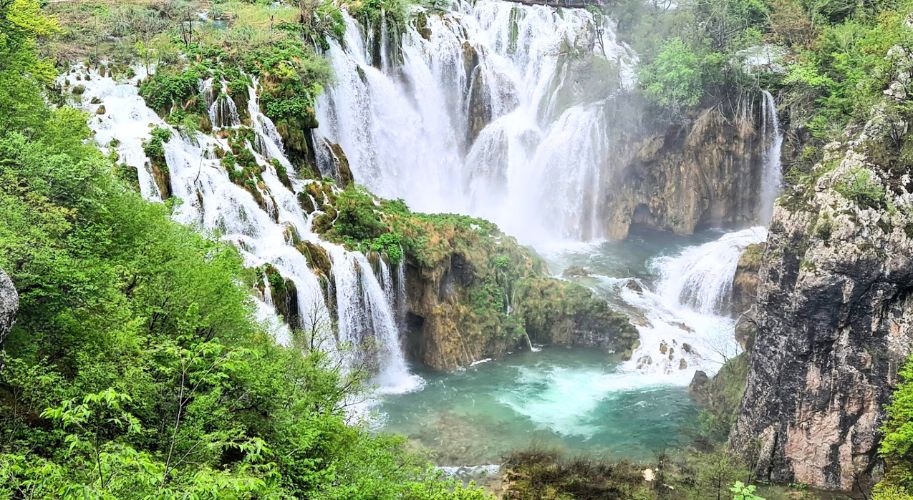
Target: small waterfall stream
point(686, 325)
point(772, 174)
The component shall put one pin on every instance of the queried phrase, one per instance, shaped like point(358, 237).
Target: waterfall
point(685, 328)
point(262, 228)
point(365, 315)
point(772, 175)
point(492, 104)
point(700, 277)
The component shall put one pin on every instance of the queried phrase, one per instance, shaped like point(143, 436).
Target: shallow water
point(584, 402)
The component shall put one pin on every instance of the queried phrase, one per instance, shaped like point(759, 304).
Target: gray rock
point(834, 322)
point(9, 304)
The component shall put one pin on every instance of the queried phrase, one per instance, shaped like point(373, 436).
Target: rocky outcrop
point(9, 304)
point(476, 293)
point(333, 162)
point(687, 177)
point(834, 314)
point(745, 280)
point(564, 313)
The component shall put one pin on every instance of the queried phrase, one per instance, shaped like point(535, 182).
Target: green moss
point(721, 398)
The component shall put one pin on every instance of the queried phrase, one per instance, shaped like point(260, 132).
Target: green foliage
point(135, 368)
point(371, 12)
point(358, 217)
point(859, 186)
point(721, 399)
point(167, 90)
point(842, 72)
point(897, 444)
point(155, 146)
point(674, 78)
point(742, 491)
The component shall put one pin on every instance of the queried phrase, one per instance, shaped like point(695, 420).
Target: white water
point(772, 175)
point(687, 328)
point(406, 127)
point(216, 206)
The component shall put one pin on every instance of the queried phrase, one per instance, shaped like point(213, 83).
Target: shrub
point(860, 186)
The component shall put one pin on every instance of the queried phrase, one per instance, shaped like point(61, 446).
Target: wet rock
point(687, 177)
point(745, 280)
point(698, 382)
point(575, 272)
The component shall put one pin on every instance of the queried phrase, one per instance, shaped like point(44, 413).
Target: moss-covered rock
point(472, 291)
point(565, 313)
point(283, 293)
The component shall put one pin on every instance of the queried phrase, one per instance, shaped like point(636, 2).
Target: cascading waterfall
point(700, 277)
point(772, 175)
point(363, 306)
point(686, 325)
point(484, 114)
point(262, 233)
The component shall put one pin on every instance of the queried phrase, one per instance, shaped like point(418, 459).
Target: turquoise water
point(570, 400)
point(576, 401)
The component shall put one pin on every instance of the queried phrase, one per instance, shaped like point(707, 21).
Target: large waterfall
point(264, 233)
point(494, 109)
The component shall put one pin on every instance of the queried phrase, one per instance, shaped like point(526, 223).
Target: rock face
point(689, 177)
point(479, 294)
point(9, 304)
point(834, 316)
point(745, 280)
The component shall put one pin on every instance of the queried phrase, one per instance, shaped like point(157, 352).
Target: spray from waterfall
point(487, 104)
point(686, 325)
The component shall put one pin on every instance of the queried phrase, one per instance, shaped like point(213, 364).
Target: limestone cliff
point(834, 312)
point(480, 294)
point(701, 174)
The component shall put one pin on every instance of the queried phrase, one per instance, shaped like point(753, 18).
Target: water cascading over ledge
point(495, 109)
point(313, 283)
point(526, 115)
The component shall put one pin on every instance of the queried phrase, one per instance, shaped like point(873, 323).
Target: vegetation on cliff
point(134, 369)
point(897, 444)
point(497, 292)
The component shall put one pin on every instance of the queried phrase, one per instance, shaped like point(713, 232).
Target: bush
point(358, 217)
point(897, 445)
point(860, 186)
point(673, 80)
point(166, 90)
